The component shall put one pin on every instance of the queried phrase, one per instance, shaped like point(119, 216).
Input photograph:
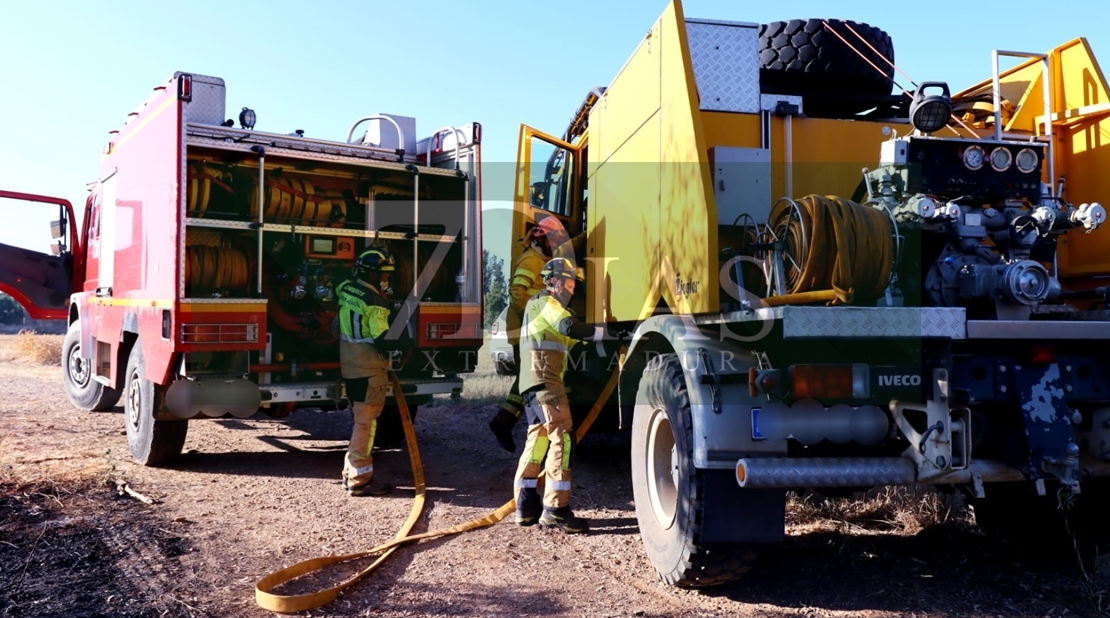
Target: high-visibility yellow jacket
point(363, 312)
point(549, 333)
point(525, 283)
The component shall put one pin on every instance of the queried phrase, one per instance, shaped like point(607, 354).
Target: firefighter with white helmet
point(546, 238)
point(549, 332)
point(364, 356)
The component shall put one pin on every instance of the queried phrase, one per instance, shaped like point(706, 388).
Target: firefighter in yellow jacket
point(546, 237)
point(549, 332)
point(364, 357)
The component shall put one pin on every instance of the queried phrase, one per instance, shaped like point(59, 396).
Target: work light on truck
point(247, 118)
point(830, 381)
point(929, 113)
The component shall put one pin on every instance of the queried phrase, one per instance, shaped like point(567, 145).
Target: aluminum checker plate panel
point(939, 322)
point(726, 65)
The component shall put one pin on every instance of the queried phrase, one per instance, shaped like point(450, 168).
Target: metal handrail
point(996, 94)
point(459, 137)
point(400, 133)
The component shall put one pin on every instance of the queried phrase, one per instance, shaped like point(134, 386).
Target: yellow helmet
point(558, 267)
point(374, 259)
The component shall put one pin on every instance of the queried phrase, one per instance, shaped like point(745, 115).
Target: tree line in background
point(495, 291)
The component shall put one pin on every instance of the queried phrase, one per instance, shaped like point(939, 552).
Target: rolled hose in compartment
point(213, 269)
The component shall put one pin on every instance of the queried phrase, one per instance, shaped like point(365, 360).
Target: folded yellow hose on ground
point(288, 604)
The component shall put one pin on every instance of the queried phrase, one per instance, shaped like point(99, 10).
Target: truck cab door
point(549, 181)
point(42, 282)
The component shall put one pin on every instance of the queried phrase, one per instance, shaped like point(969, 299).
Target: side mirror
point(57, 248)
point(538, 196)
point(58, 228)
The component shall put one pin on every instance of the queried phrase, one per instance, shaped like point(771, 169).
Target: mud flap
point(737, 515)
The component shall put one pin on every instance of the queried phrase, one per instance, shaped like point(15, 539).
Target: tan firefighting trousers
point(366, 373)
point(548, 445)
point(514, 403)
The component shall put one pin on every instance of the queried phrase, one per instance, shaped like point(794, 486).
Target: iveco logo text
point(902, 380)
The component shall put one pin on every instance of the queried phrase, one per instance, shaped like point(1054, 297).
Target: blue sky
point(71, 71)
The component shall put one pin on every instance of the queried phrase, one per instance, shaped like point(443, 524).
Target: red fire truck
point(200, 280)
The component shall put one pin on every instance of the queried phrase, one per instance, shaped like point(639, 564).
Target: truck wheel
point(801, 57)
point(668, 489)
point(84, 392)
point(152, 442)
point(390, 433)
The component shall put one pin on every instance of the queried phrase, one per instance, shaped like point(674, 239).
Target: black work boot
point(373, 488)
point(529, 505)
point(564, 519)
point(502, 428)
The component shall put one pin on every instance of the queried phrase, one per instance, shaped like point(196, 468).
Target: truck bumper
point(241, 398)
point(857, 472)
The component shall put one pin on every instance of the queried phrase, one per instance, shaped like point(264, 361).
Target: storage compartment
point(316, 218)
point(217, 263)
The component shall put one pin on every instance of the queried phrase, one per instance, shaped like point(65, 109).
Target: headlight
point(1001, 159)
point(974, 157)
point(1027, 160)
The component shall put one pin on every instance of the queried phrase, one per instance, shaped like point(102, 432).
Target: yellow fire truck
point(835, 285)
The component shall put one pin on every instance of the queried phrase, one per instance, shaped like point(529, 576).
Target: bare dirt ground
point(252, 496)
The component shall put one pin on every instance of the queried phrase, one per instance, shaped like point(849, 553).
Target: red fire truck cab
point(200, 280)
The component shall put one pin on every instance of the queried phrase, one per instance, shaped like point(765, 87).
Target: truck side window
point(550, 173)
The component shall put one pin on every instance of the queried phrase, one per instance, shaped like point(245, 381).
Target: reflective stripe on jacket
point(526, 281)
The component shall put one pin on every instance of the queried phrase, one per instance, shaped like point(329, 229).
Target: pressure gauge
point(974, 157)
point(1026, 160)
point(1001, 159)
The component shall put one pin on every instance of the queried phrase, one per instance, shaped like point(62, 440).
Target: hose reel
point(827, 243)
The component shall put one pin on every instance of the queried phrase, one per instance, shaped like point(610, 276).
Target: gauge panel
point(952, 168)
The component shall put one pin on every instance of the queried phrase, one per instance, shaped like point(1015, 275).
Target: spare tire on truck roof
point(802, 57)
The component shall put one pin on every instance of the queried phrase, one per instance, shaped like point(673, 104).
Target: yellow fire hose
point(288, 604)
point(849, 255)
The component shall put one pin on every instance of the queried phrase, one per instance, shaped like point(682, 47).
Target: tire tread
point(801, 57)
point(94, 396)
point(701, 564)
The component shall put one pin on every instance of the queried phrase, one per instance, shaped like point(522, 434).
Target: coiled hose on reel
point(833, 244)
